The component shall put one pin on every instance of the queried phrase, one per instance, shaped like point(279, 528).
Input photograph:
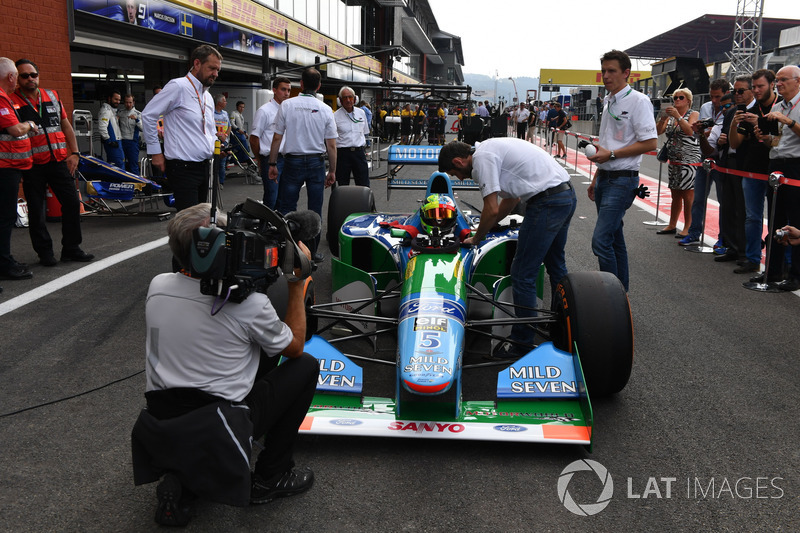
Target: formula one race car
point(408, 278)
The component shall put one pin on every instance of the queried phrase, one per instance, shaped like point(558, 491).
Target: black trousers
point(34, 183)
point(354, 161)
point(732, 214)
point(787, 211)
point(278, 402)
point(9, 191)
point(189, 182)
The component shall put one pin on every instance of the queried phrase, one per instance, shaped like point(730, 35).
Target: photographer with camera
point(209, 391)
point(752, 131)
point(788, 235)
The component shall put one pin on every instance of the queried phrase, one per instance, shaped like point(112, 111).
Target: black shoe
point(48, 260)
point(789, 285)
point(173, 509)
point(318, 258)
point(289, 483)
point(672, 231)
point(75, 255)
point(746, 268)
point(16, 272)
point(760, 279)
point(724, 258)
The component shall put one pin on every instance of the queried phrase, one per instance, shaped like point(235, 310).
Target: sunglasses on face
point(25, 75)
point(726, 106)
point(740, 91)
point(679, 97)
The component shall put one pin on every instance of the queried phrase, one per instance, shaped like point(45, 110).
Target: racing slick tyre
point(309, 299)
point(592, 311)
point(346, 200)
point(278, 294)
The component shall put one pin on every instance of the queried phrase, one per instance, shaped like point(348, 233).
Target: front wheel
point(593, 312)
point(346, 200)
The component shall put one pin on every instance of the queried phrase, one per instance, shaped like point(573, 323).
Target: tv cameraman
point(208, 392)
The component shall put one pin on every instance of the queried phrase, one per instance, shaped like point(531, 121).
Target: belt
point(350, 148)
point(303, 156)
point(561, 187)
point(188, 164)
point(618, 173)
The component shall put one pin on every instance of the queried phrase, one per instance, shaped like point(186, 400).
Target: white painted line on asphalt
point(77, 275)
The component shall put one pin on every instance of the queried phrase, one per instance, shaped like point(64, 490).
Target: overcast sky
point(519, 37)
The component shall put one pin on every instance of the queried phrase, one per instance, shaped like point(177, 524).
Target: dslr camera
point(252, 251)
point(705, 123)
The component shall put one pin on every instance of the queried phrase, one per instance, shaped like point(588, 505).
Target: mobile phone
point(741, 107)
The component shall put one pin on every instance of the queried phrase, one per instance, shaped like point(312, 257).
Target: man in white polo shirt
point(508, 171)
point(353, 127)
point(627, 130)
point(261, 138)
point(308, 126)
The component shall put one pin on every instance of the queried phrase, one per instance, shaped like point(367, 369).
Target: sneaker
point(172, 509)
point(289, 483)
point(689, 240)
point(719, 248)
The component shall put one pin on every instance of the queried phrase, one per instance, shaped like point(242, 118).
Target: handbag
point(663, 152)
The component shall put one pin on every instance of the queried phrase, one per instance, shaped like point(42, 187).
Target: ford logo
point(345, 422)
point(510, 428)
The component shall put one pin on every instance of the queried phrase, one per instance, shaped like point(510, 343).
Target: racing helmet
point(438, 211)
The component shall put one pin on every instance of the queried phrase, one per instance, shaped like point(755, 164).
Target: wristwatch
point(612, 156)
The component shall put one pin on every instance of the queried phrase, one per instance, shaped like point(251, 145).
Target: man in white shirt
point(189, 128)
point(261, 138)
point(627, 130)
point(310, 131)
point(110, 135)
point(521, 115)
point(353, 127)
point(508, 171)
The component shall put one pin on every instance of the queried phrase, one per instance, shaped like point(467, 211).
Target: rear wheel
point(593, 312)
point(346, 200)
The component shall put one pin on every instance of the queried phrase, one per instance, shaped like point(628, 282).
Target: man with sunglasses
point(627, 130)
point(55, 158)
point(711, 109)
point(756, 143)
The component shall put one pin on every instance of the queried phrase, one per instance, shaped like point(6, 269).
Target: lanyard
point(352, 119)
point(202, 106)
point(39, 94)
point(612, 103)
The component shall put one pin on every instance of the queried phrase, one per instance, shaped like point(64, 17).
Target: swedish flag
point(186, 24)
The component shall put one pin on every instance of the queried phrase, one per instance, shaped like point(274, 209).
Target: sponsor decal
point(429, 306)
point(510, 428)
point(432, 366)
point(427, 427)
point(430, 323)
point(559, 417)
point(346, 422)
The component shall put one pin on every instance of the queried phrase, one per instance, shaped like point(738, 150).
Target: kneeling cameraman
point(207, 392)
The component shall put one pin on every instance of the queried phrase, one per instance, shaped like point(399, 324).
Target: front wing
point(540, 398)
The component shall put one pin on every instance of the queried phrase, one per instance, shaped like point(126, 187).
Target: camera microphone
point(304, 225)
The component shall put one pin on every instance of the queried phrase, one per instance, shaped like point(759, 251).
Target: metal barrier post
point(657, 222)
point(764, 285)
point(702, 248)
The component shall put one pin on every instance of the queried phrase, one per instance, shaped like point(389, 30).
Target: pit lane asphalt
point(712, 396)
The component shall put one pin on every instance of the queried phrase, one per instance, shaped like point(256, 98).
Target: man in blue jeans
point(511, 170)
point(309, 128)
point(627, 130)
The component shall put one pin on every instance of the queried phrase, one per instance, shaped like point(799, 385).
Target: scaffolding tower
point(746, 48)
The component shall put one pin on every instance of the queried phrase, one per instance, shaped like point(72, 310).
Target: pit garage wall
point(39, 31)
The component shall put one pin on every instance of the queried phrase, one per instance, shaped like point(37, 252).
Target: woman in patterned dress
point(684, 155)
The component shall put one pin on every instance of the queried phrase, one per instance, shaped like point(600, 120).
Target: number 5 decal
point(430, 339)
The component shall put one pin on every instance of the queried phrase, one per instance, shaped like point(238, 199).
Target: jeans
point(296, 172)
point(542, 238)
point(754, 193)
point(270, 186)
point(701, 189)
point(222, 166)
point(130, 148)
point(612, 197)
